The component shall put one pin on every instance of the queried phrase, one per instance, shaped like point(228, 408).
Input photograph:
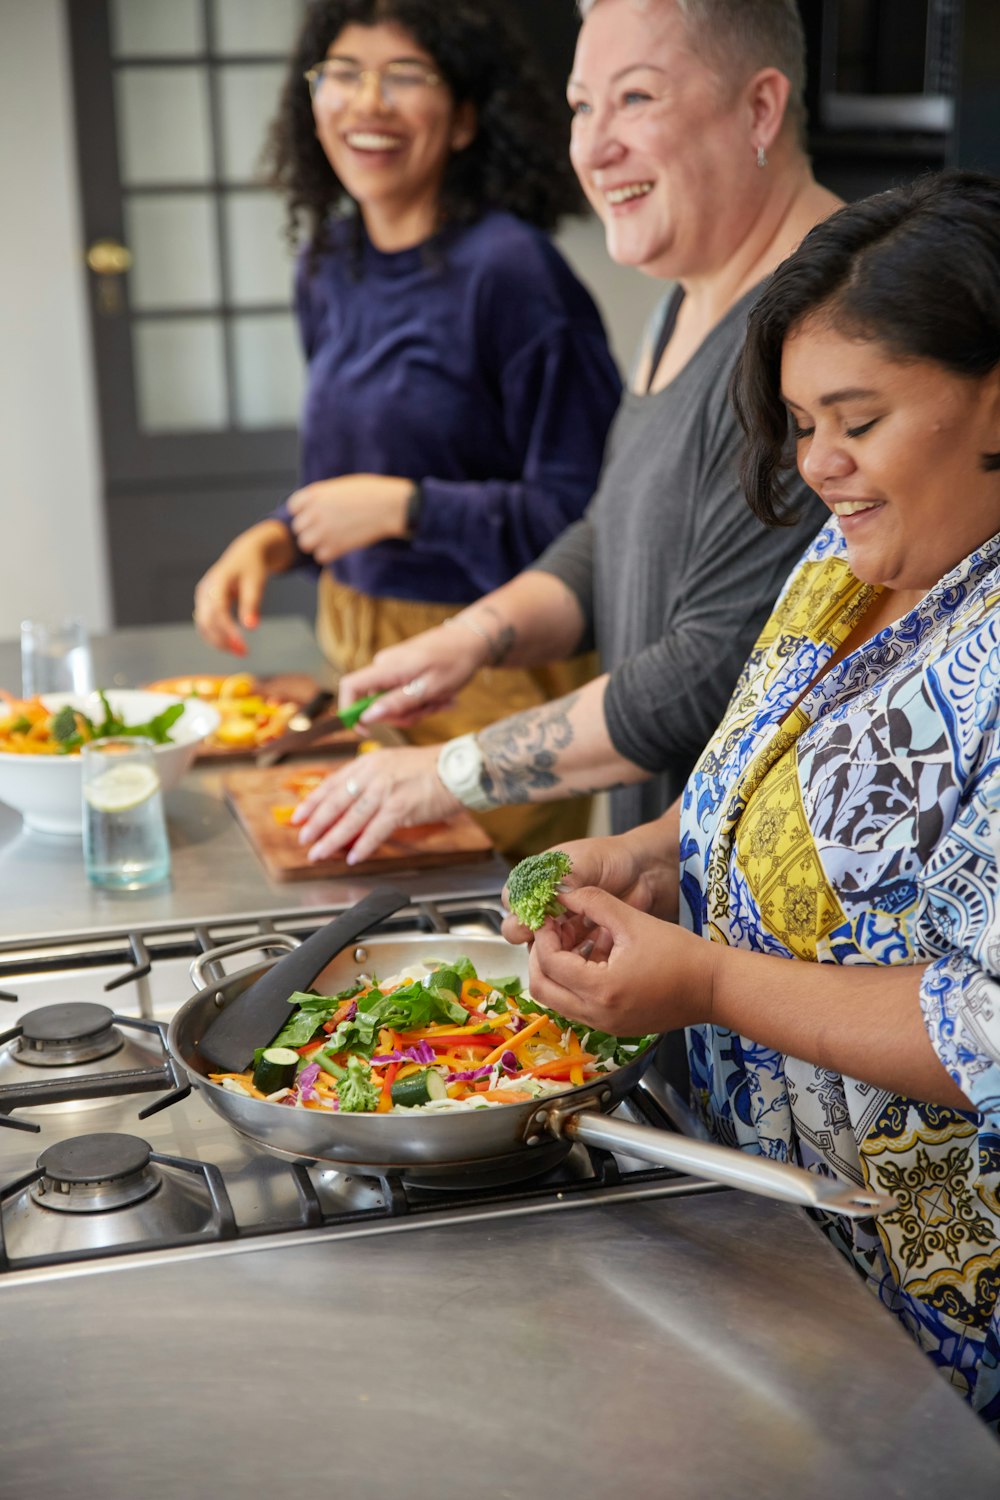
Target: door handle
point(109, 258)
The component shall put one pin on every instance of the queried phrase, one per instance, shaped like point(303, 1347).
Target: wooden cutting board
point(291, 687)
point(254, 794)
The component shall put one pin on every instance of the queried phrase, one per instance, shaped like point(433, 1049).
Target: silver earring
point(761, 157)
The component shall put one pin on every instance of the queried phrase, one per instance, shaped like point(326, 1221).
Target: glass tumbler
point(125, 845)
point(55, 657)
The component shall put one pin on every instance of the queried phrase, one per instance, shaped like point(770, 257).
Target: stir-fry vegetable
point(449, 1040)
point(531, 887)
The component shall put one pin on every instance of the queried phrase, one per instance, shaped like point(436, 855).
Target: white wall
point(52, 558)
point(626, 298)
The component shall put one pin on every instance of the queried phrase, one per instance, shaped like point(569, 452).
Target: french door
point(198, 370)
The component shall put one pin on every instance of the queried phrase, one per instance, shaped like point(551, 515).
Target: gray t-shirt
point(674, 574)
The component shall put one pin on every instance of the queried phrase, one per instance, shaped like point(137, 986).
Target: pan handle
point(260, 940)
point(755, 1174)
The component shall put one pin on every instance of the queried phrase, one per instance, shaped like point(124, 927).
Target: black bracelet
point(413, 506)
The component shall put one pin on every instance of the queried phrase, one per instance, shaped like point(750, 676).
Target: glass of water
point(125, 845)
point(55, 657)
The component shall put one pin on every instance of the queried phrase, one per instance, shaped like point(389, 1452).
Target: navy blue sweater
point(476, 364)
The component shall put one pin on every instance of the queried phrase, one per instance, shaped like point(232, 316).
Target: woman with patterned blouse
point(846, 814)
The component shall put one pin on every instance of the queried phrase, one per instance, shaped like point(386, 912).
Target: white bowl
point(45, 789)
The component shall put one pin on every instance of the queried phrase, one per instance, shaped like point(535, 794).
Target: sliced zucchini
point(276, 1069)
point(419, 1088)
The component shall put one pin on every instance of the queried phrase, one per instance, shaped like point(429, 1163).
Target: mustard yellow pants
point(351, 627)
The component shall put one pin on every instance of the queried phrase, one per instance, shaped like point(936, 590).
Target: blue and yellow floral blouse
point(865, 829)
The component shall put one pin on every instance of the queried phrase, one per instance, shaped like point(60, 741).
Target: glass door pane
point(247, 27)
point(180, 374)
point(175, 257)
point(268, 370)
point(164, 125)
point(156, 27)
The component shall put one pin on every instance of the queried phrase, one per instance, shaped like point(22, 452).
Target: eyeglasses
point(333, 82)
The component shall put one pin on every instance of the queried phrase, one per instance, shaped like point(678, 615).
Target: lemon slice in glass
point(122, 787)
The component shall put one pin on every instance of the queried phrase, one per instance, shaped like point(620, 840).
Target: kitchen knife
point(256, 1016)
point(307, 715)
point(297, 739)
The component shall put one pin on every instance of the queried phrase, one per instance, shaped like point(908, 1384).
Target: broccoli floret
point(531, 887)
point(356, 1091)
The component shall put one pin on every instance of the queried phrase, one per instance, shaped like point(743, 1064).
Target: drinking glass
point(55, 657)
point(125, 845)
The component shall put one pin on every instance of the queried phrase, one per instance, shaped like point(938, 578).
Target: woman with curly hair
point(460, 386)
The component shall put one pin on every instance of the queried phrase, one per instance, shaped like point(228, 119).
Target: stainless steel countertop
point(215, 871)
point(692, 1347)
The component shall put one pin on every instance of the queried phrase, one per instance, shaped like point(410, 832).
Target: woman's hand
point(418, 677)
point(228, 596)
point(334, 516)
point(359, 807)
point(612, 864)
point(641, 974)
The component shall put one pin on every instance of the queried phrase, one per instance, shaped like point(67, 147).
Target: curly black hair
point(916, 269)
point(519, 159)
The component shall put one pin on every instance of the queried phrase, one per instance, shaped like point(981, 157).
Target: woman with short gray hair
point(686, 139)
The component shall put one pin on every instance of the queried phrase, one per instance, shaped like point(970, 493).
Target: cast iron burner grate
point(101, 1179)
point(79, 1035)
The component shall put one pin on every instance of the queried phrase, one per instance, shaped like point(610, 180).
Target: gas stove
point(109, 1157)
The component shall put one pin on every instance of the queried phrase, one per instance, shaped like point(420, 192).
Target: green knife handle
point(349, 716)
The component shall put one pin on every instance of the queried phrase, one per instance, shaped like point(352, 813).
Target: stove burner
point(474, 1176)
point(91, 1173)
point(57, 1036)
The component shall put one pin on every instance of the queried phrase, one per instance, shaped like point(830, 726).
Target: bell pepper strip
point(388, 1079)
point(575, 1052)
point(512, 1044)
point(506, 1096)
point(479, 1027)
point(463, 1039)
point(474, 992)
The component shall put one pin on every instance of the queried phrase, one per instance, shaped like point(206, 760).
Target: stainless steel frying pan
point(462, 1139)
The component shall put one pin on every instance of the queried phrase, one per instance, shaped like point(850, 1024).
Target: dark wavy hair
point(519, 159)
point(916, 269)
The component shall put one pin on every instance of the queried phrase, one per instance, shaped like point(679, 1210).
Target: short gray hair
point(737, 37)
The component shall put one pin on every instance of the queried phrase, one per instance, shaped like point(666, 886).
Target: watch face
point(461, 766)
point(463, 762)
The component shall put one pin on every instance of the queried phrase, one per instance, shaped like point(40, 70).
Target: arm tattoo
point(501, 639)
point(521, 753)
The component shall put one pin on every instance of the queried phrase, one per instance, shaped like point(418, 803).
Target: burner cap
point(74, 1021)
point(57, 1036)
point(89, 1159)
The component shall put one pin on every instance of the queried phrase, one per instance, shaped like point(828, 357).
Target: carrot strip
point(506, 1096)
point(340, 1014)
point(560, 1066)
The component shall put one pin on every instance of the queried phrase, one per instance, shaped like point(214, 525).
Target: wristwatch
point(460, 767)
